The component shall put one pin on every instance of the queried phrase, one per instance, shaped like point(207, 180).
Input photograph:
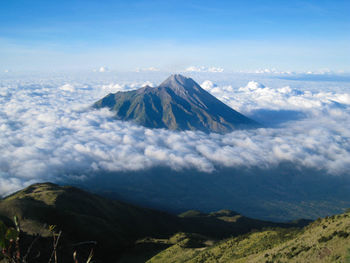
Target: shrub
point(15, 247)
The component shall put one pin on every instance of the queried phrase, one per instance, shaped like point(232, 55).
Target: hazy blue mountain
point(280, 194)
point(178, 103)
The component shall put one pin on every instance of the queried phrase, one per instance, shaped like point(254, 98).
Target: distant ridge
point(178, 103)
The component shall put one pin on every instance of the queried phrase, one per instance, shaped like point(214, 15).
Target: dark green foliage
point(8, 235)
point(341, 234)
point(296, 251)
point(17, 246)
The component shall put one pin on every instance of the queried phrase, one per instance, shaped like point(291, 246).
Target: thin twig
point(55, 247)
point(75, 257)
point(90, 256)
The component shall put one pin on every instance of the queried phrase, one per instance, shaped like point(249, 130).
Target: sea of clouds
point(48, 131)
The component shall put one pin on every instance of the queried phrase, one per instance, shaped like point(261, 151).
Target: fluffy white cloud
point(113, 88)
point(101, 69)
point(67, 87)
point(204, 69)
point(274, 71)
point(48, 132)
point(255, 96)
point(271, 71)
point(149, 69)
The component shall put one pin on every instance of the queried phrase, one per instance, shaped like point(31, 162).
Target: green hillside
point(122, 231)
point(325, 240)
point(84, 216)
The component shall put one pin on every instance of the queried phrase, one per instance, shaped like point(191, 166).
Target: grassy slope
point(83, 216)
point(325, 240)
point(201, 231)
point(115, 225)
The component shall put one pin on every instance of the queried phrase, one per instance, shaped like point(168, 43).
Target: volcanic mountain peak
point(178, 103)
point(174, 80)
point(178, 82)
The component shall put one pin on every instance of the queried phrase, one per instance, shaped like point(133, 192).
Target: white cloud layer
point(48, 131)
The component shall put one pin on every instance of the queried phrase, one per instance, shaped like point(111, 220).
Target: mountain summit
point(178, 103)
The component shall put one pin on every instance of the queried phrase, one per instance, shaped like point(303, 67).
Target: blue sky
point(172, 35)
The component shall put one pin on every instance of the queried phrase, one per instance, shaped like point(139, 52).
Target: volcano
point(178, 103)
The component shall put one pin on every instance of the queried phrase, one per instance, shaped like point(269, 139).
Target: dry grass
point(325, 240)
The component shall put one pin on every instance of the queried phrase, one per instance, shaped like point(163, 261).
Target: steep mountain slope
point(178, 103)
point(116, 226)
point(325, 240)
point(84, 216)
